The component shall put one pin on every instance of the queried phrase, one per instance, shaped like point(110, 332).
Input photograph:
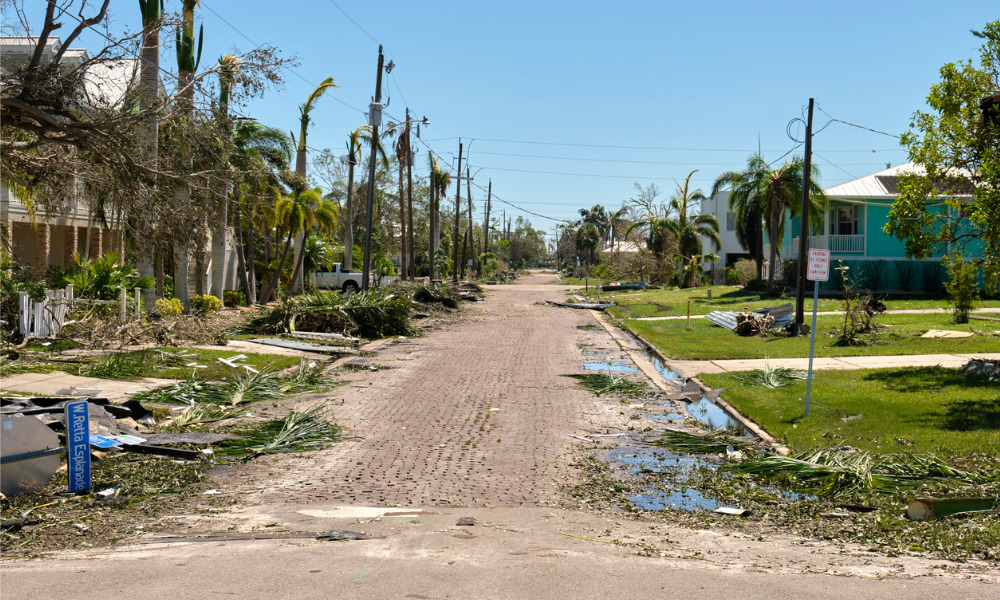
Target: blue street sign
point(78, 446)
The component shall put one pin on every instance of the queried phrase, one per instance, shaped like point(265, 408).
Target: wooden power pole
point(375, 119)
point(800, 287)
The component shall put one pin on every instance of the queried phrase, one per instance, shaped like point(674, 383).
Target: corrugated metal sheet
point(876, 185)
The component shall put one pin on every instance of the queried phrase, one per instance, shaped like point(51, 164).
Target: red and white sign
point(818, 267)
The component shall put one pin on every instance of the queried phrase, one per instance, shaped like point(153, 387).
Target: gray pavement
point(692, 368)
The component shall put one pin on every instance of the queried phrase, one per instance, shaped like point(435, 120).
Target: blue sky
point(569, 104)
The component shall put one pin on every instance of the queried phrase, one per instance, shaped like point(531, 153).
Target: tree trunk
point(240, 254)
point(402, 225)
point(272, 285)
point(149, 71)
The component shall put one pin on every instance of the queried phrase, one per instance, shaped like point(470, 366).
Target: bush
point(732, 278)
point(790, 271)
point(961, 286)
point(756, 285)
point(746, 271)
point(233, 298)
point(205, 304)
point(169, 307)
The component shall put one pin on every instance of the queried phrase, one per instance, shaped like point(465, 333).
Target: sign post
point(817, 270)
point(78, 446)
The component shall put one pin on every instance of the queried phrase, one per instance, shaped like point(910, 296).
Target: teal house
point(853, 232)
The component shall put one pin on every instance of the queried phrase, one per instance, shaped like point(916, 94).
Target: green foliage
point(205, 304)
point(437, 293)
point(15, 278)
point(600, 384)
point(746, 271)
point(101, 279)
point(298, 432)
point(489, 264)
point(128, 365)
point(233, 298)
point(839, 472)
point(859, 311)
point(953, 197)
point(374, 314)
point(710, 443)
point(961, 286)
point(169, 307)
point(770, 377)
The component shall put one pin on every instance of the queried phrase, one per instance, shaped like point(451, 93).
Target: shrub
point(233, 298)
point(757, 285)
point(746, 271)
point(961, 286)
point(732, 278)
point(790, 271)
point(205, 304)
point(169, 307)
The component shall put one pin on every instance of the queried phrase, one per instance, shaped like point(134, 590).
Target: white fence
point(46, 318)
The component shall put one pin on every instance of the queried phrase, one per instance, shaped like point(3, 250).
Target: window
point(844, 220)
point(730, 221)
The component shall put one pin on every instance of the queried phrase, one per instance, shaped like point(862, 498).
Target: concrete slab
point(47, 384)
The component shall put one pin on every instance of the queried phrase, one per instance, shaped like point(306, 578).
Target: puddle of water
point(586, 327)
point(609, 365)
point(707, 412)
point(656, 460)
point(595, 352)
point(674, 416)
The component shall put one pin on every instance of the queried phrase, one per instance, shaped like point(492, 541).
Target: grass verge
point(900, 334)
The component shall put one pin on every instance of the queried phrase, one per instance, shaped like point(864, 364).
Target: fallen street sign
point(78, 446)
point(818, 266)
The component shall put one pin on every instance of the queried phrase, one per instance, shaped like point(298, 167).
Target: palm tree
point(295, 214)
point(762, 193)
point(588, 237)
point(228, 73)
point(187, 63)
point(259, 152)
point(599, 218)
point(300, 168)
point(149, 86)
point(440, 184)
point(689, 229)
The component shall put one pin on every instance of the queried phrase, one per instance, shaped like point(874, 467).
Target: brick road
point(475, 414)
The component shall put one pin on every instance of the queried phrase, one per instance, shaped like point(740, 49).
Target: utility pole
point(486, 224)
point(411, 272)
point(458, 210)
point(468, 194)
point(374, 119)
point(432, 241)
point(800, 287)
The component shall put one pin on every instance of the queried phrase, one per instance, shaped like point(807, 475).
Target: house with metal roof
point(853, 231)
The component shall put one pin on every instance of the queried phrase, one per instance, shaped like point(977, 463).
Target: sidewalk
point(692, 368)
point(905, 311)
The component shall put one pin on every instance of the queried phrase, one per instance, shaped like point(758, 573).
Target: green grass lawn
point(900, 334)
point(674, 302)
point(922, 409)
point(149, 363)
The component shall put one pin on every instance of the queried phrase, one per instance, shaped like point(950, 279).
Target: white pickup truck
point(339, 279)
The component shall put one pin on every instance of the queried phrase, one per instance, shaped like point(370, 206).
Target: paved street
point(473, 420)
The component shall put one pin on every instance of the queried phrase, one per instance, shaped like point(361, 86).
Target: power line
point(363, 30)
point(835, 120)
point(623, 147)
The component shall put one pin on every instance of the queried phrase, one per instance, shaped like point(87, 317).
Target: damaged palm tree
point(839, 472)
point(751, 324)
point(374, 314)
point(299, 431)
point(247, 387)
point(601, 384)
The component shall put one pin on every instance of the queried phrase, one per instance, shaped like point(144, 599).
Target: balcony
point(837, 244)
